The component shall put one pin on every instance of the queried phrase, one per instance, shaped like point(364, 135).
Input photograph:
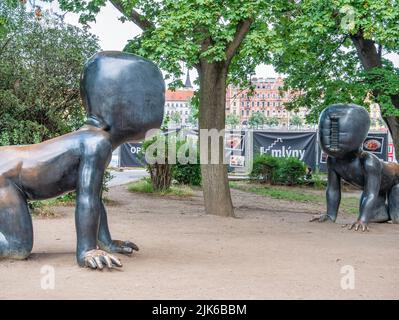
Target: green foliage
point(175, 117)
point(319, 180)
point(272, 121)
point(176, 30)
point(145, 186)
point(290, 171)
point(332, 72)
point(348, 204)
point(187, 173)
point(161, 170)
point(232, 120)
point(273, 170)
point(256, 119)
point(265, 168)
point(40, 66)
point(296, 121)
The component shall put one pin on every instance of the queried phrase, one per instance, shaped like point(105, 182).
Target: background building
point(177, 105)
point(267, 99)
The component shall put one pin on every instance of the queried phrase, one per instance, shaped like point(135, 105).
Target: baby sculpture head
point(343, 129)
point(123, 94)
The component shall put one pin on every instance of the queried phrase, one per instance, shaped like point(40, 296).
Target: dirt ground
point(270, 251)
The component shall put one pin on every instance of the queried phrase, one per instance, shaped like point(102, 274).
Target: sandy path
point(269, 252)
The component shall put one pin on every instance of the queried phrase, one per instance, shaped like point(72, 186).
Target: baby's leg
point(393, 204)
point(380, 212)
point(16, 232)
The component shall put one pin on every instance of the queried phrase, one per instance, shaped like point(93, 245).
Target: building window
point(242, 103)
point(263, 104)
point(253, 104)
point(234, 103)
point(247, 112)
point(242, 112)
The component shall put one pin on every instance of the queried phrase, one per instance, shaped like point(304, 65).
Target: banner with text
point(130, 155)
point(376, 143)
point(301, 145)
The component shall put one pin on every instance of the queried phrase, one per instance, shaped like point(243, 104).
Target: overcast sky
point(114, 34)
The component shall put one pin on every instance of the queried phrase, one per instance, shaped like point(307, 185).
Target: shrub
point(264, 168)
point(290, 171)
point(189, 173)
point(287, 171)
point(319, 180)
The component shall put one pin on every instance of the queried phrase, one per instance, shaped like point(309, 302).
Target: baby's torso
point(354, 173)
point(44, 170)
point(350, 170)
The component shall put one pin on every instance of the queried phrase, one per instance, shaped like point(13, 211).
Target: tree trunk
point(212, 102)
point(370, 58)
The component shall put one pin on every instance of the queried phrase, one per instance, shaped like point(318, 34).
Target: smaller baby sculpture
point(342, 131)
point(124, 97)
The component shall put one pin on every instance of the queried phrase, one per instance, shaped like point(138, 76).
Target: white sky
point(113, 34)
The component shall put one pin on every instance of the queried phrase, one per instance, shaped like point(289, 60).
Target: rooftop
point(179, 95)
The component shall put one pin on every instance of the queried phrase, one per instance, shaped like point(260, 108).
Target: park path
point(270, 251)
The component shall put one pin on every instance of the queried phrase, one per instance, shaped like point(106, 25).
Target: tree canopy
point(40, 67)
point(333, 51)
point(256, 119)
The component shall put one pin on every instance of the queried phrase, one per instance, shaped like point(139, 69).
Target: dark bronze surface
point(342, 131)
point(124, 97)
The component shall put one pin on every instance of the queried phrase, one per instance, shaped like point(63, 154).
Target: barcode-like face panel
point(334, 137)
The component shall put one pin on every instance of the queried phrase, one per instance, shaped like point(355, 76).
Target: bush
point(189, 173)
point(287, 171)
point(291, 171)
point(264, 168)
point(319, 180)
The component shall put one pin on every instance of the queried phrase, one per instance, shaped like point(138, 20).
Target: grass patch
point(145, 186)
point(348, 204)
point(45, 208)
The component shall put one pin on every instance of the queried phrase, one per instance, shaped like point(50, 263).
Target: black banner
point(376, 143)
point(301, 145)
point(130, 155)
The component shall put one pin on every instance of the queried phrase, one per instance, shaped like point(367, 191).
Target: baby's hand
point(321, 218)
point(97, 259)
point(119, 246)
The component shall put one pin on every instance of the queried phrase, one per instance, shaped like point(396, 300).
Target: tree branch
point(3, 47)
point(138, 19)
point(366, 51)
point(241, 31)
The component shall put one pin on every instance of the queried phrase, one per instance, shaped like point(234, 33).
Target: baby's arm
point(88, 204)
point(105, 241)
point(333, 195)
point(372, 182)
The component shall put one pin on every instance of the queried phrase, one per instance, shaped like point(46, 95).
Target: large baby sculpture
point(124, 97)
point(342, 131)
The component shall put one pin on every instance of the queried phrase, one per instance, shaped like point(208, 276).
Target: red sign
point(391, 152)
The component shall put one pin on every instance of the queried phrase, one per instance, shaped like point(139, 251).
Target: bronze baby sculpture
point(124, 97)
point(342, 131)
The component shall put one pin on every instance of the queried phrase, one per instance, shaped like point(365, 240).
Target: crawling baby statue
point(124, 97)
point(342, 131)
